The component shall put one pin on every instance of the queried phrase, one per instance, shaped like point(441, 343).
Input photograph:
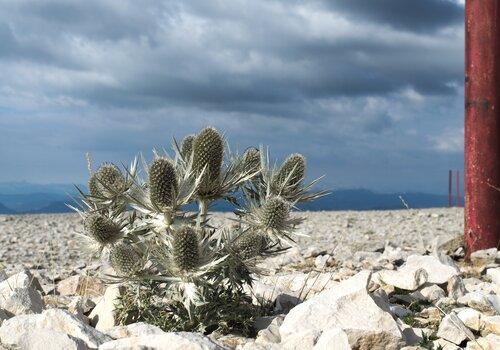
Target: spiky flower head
point(185, 248)
point(94, 186)
point(291, 173)
point(162, 183)
point(110, 179)
point(187, 146)
point(250, 245)
point(208, 153)
point(124, 259)
point(251, 158)
point(102, 229)
point(275, 212)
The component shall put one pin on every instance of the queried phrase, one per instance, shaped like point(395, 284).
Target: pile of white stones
point(385, 299)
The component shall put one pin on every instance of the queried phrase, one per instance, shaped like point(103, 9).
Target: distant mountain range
point(27, 198)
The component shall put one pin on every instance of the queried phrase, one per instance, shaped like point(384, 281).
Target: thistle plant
point(180, 271)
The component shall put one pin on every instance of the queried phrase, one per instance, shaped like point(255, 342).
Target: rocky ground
point(361, 280)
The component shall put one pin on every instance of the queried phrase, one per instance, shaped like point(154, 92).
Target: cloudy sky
point(370, 91)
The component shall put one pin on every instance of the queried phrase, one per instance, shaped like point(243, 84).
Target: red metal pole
point(457, 202)
point(450, 175)
point(482, 124)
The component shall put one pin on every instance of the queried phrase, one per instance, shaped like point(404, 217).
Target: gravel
point(50, 242)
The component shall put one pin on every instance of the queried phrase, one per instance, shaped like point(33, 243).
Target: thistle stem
point(202, 211)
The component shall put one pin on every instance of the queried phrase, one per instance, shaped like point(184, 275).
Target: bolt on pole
point(482, 125)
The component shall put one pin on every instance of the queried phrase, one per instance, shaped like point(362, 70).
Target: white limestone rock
point(432, 293)
point(490, 342)
point(455, 287)
point(347, 306)
point(43, 339)
point(322, 261)
point(494, 274)
point(15, 329)
point(102, 316)
point(485, 303)
point(492, 325)
point(271, 334)
point(485, 256)
point(165, 341)
point(471, 318)
point(453, 330)
point(333, 339)
point(418, 270)
point(133, 330)
point(20, 294)
point(411, 280)
point(296, 283)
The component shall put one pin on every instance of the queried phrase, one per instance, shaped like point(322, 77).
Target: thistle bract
point(208, 153)
point(251, 158)
point(162, 183)
point(102, 229)
point(291, 173)
point(187, 146)
point(275, 212)
point(185, 248)
point(249, 245)
point(94, 186)
point(124, 259)
point(110, 179)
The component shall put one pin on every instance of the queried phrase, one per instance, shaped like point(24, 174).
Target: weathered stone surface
point(492, 325)
point(455, 287)
point(490, 342)
point(485, 256)
point(306, 284)
point(418, 270)
point(22, 279)
point(102, 316)
point(485, 303)
point(3, 316)
point(81, 305)
point(133, 330)
point(399, 311)
point(305, 339)
point(432, 293)
point(43, 339)
point(262, 291)
point(20, 294)
point(333, 339)
point(285, 302)
point(410, 280)
point(322, 261)
point(13, 330)
point(81, 285)
point(494, 274)
point(21, 301)
point(339, 307)
point(452, 329)
point(165, 341)
point(471, 318)
point(271, 333)
point(256, 346)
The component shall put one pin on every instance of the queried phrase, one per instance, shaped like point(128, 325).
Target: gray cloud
point(421, 15)
point(339, 78)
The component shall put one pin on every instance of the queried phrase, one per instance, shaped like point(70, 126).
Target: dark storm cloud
point(216, 56)
point(338, 77)
point(419, 15)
